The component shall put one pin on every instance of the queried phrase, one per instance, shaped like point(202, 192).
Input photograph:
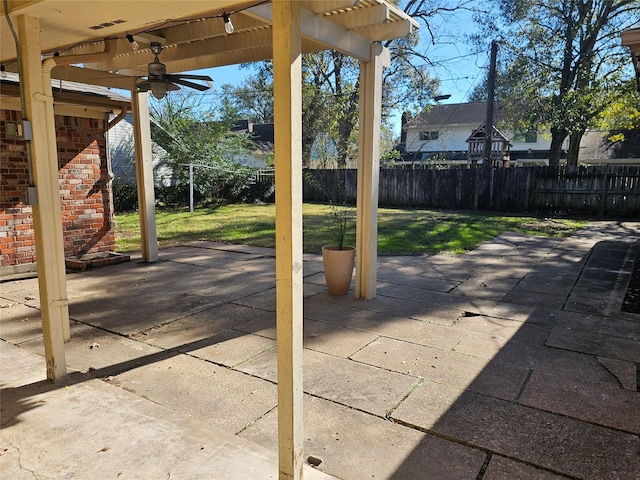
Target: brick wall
point(84, 191)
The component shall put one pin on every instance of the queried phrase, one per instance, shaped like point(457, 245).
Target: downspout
point(47, 96)
point(110, 124)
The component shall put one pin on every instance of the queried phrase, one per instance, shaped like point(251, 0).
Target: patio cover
point(87, 42)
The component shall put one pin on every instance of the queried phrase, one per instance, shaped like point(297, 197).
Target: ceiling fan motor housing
point(157, 69)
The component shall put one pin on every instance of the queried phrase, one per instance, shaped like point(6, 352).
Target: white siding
point(450, 139)
point(120, 141)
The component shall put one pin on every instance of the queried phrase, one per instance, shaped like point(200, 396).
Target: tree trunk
point(555, 150)
point(574, 148)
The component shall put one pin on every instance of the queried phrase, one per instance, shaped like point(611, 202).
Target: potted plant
point(337, 258)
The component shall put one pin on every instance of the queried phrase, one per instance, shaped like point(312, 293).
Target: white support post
point(191, 187)
point(369, 171)
point(47, 212)
point(287, 66)
point(144, 175)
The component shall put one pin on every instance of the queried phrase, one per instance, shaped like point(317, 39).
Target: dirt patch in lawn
point(550, 226)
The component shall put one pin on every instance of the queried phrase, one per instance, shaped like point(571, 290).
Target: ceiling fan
point(159, 82)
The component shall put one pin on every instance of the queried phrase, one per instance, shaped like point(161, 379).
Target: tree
point(193, 132)
point(253, 100)
point(331, 83)
point(561, 63)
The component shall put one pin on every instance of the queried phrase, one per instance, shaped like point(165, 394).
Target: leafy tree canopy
point(561, 63)
point(193, 132)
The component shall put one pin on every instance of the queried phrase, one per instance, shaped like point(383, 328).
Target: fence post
point(491, 189)
point(475, 189)
point(603, 194)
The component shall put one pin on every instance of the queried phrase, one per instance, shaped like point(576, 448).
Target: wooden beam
point(144, 175)
point(187, 53)
point(317, 28)
point(287, 87)
point(208, 28)
point(363, 16)
point(324, 6)
point(369, 171)
point(47, 216)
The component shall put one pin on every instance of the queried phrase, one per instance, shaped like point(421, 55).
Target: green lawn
point(400, 231)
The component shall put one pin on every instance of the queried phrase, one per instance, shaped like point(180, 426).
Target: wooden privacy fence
point(604, 191)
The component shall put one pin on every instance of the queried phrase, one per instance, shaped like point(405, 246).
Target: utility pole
point(488, 126)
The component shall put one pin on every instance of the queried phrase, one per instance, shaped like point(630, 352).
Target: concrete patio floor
point(513, 361)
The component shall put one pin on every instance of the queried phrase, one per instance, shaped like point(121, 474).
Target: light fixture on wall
point(228, 26)
point(134, 45)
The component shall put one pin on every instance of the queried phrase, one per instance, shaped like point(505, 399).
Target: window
point(526, 136)
point(426, 136)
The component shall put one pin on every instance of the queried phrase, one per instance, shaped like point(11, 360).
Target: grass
point(400, 231)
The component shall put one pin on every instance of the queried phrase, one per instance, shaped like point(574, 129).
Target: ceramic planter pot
point(338, 268)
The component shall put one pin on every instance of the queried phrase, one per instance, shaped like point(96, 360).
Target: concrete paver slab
point(350, 383)
point(94, 349)
point(418, 281)
point(551, 283)
point(357, 446)
point(334, 340)
point(231, 348)
point(436, 365)
point(593, 343)
point(545, 440)
point(200, 325)
point(202, 390)
point(559, 362)
point(90, 429)
point(415, 331)
point(503, 327)
point(625, 372)
point(488, 346)
point(20, 323)
point(484, 285)
point(525, 297)
point(501, 468)
point(524, 313)
point(585, 401)
point(318, 310)
point(442, 300)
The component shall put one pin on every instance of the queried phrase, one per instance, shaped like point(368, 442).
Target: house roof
point(596, 145)
point(69, 92)
point(473, 113)
point(262, 134)
point(478, 134)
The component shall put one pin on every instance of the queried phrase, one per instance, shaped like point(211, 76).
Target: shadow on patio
point(512, 361)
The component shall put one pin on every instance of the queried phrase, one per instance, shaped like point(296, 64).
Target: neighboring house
point(121, 151)
point(261, 153)
point(81, 119)
point(438, 137)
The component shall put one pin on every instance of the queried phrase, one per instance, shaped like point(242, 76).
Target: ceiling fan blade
point(195, 86)
point(204, 78)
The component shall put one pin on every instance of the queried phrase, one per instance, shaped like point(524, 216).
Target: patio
point(512, 361)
